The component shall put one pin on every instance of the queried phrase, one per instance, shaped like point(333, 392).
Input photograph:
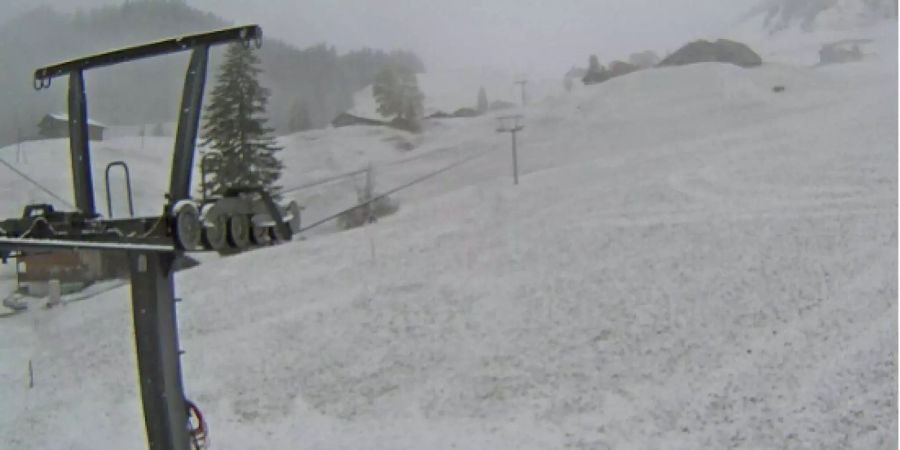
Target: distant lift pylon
point(152, 243)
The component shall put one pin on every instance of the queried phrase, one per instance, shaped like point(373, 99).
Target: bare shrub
point(371, 206)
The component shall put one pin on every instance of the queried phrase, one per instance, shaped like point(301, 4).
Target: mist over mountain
point(807, 15)
point(148, 91)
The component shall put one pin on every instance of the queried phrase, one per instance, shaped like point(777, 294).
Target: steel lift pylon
point(153, 244)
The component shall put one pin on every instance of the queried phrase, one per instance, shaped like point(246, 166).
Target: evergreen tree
point(482, 101)
point(385, 90)
point(396, 91)
point(300, 120)
point(593, 64)
point(235, 131)
point(596, 73)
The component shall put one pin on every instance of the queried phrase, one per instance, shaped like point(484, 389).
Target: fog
point(529, 224)
point(540, 38)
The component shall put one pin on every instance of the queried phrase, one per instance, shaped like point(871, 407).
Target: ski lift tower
point(152, 244)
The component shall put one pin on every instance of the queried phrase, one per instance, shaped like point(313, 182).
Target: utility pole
point(18, 140)
point(522, 84)
point(18, 144)
point(512, 125)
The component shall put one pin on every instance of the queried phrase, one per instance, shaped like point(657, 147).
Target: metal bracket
point(127, 187)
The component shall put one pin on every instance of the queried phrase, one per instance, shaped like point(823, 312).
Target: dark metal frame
point(188, 118)
point(155, 333)
point(159, 356)
point(245, 33)
point(188, 123)
point(79, 146)
point(124, 166)
point(151, 252)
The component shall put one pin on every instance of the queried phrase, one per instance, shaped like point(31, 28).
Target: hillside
point(796, 45)
point(690, 261)
point(777, 16)
point(319, 78)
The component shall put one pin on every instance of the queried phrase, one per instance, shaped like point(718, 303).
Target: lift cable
point(396, 189)
point(34, 182)
point(322, 181)
point(353, 173)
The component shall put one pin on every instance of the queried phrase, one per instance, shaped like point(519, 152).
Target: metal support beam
point(156, 339)
point(245, 33)
point(188, 123)
point(79, 146)
point(28, 244)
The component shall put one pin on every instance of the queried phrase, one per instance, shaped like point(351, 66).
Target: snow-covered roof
point(65, 118)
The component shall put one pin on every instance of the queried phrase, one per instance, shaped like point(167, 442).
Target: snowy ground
point(690, 261)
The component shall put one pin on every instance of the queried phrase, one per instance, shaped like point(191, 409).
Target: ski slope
point(690, 261)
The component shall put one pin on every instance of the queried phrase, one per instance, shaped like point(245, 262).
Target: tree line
point(313, 84)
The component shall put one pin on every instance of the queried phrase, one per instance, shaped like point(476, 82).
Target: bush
point(465, 112)
point(722, 50)
point(367, 212)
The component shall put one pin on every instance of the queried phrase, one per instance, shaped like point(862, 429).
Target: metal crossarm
point(49, 244)
point(153, 245)
point(245, 33)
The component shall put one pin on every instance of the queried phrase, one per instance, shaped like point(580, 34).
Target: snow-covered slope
point(796, 44)
point(778, 15)
point(690, 261)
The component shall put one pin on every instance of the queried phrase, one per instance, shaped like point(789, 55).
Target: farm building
point(75, 270)
point(72, 269)
point(346, 119)
point(54, 126)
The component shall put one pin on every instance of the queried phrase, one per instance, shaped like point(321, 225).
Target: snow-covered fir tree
point(482, 101)
point(396, 91)
point(235, 133)
point(299, 117)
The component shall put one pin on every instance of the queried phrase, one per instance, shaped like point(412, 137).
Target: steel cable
point(396, 189)
point(39, 185)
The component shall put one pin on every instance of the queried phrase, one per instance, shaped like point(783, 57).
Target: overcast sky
point(538, 38)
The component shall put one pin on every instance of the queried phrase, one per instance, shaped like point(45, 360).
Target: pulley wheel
point(188, 227)
point(239, 231)
point(215, 231)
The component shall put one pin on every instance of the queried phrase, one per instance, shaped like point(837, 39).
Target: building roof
point(346, 119)
point(65, 118)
